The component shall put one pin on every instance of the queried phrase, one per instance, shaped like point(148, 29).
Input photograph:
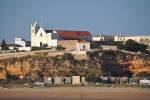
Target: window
point(32, 31)
point(41, 34)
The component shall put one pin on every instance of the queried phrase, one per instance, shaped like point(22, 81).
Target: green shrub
point(60, 48)
point(4, 45)
point(34, 48)
point(120, 45)
point(92, 78)
point(132, 45)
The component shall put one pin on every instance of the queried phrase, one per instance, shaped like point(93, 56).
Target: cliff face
point(18, 68)
point(67, 65)
point(140, 65)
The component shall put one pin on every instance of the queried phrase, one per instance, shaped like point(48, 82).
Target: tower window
point(41, 34)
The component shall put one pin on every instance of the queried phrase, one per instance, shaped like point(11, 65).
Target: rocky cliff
point(96, 63)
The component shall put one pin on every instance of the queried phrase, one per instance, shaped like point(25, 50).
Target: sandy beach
point(75, 93)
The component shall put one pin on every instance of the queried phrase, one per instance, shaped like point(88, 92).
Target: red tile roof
point(73, 34)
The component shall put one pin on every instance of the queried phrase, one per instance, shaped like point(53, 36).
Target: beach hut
point(58, 80)
point(113, 79)
point(67, 80)
point(124, 80)
point(76, 80)
point(49, 80)
point(83, 80)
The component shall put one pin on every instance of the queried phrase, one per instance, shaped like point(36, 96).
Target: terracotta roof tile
point(73, 34)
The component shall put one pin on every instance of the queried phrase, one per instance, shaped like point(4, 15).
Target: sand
point(75, 93)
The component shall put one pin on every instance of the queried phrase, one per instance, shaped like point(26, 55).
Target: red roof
point(73, 34)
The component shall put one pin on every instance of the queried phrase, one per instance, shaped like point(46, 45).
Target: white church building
point(41, 37)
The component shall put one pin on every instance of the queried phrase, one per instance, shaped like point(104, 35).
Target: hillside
point(94, 64)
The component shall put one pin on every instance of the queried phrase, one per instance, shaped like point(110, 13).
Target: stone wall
point(80, 54)
point(68, 44)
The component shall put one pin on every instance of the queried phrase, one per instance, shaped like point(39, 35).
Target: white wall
point(105, 47)
point(24, 48)
point(98, 38)
point(80, 46)
point(11, 48)
point(119, 38)
point(20, 48)
point(78, 52)
point(52, 43)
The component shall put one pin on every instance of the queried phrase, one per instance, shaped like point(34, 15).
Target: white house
point(83, 45)
point(103, 37)
point(98, 38)
point(119, 38)
point(145, 39)
point(22, 44)
point(75, 45)
point(20, 41)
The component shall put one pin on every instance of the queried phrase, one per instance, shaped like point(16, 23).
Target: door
point(41, 45)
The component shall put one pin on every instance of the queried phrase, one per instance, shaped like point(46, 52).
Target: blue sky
point(97, 16)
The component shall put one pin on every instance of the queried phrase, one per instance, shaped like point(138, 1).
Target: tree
point(131, 45)
point(67, 56)
point(94, 45)
point(4, 46)
point(100, 47)
point(142, 47)
point(120, 45)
